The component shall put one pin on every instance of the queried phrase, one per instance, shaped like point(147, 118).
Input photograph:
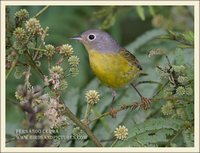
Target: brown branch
point(67, 110)
point(82, 126)
point(133, 106)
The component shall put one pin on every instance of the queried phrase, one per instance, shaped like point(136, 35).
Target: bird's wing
point(131, 58)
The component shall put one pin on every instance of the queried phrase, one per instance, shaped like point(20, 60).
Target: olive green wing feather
point(131, 58)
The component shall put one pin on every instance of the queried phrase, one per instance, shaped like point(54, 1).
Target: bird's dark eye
point(91, 37)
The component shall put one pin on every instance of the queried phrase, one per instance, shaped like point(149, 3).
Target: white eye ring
point(91, 37)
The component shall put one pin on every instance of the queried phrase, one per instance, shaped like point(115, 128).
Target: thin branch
point(157, 92)
point(173, 138)
point(32, 63)
point(101, 116)
point(10, 139)
point(11, 69)
point(150, 82)
point(82, 126)
point(133, 106)
point(11, 101)
point(41, 11)
point(112, 145)
point(168, 61)
point(38, 49)
point(87, 113)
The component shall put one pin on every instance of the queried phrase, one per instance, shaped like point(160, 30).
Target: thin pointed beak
point(76, 38)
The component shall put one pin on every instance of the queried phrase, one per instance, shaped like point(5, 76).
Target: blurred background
point(136, 28)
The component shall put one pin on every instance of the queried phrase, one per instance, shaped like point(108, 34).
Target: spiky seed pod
point(92, 97)
point(50, 50)
point(66, 50)
point(19, 34)
point(121, 132)
point(22, 14)
point(73, 61)
point(33, 26)
point(180, 91)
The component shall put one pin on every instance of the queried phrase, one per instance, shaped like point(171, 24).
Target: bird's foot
point(113, 112)
point(145, 103)
point(113, 96)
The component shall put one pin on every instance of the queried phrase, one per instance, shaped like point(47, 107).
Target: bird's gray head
point(98, 40)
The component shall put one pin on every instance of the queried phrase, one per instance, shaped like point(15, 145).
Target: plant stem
point(150, 82)
point(38, 49)
point(32, 63)
point(87, 112)
point(101, 116)
point(112, 145)
point(82, 126)
point(159, 90)
point(134, 106)
point(11, 69)
point(67, 110)
point(41, 11)
point(174, 137)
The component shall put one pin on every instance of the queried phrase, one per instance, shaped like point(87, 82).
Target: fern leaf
point(155, 124)
point(152, 131)
point(188, 138)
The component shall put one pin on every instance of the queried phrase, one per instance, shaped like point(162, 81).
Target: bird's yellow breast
point(113, 69)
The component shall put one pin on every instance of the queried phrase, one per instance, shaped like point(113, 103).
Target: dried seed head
point(56, 69)
point(156, 51)
point(167, 109)
point(74, 71)
point(50, 50)
point(18, 96)
point(188, 91)
point(92, 97)
point(121, 132)
point(73, 61)
point(178, 68)
point(33, 26)
point(19, 33)
point(158, 21)
point(182, 79)
point(66, 50)
point(22, 14)
point(20, 92)
point(180, 91)
point(78, 133)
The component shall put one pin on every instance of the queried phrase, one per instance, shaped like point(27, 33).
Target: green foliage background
point(138, 29)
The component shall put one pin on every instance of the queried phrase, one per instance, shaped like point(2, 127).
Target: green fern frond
point(152, 131)
point(188, 138)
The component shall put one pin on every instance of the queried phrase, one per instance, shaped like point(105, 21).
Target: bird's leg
point(113, 111)
point(113, 97)
point(146, 101)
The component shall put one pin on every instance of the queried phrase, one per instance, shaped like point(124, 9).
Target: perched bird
point(112, 64)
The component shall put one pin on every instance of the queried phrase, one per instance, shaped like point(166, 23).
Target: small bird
point(112, 64)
